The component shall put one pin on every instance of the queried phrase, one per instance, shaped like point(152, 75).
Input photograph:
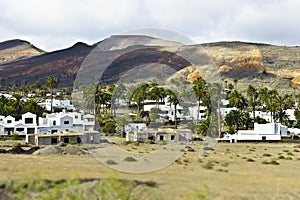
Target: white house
point(135, 132)
point(193, 112)
point(225, 111)
point(140, 132)
point(261, 132)
point(86, 137)
point(26, 125)
point(66, 121)
point(52, 123)
point(265, 115)
point(64, 104)
point(290, 114)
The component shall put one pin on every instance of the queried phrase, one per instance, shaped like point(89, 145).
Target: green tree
point(31, 105)
point(203, 127)
point(173, 99)
point(234, 120)
point(17, 103)
point(201, 91)
point(252, 98)
point(237, 100)
point(140, 94)
point(52, 83)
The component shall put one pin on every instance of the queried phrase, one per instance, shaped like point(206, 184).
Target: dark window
point(66, 122)
point(54, 123)
point(172, 137)
point(30, 130)
point(76, 117)
point(53, 140)
point(19, 129)
point(8, 121)
point(66, 140)
point(28, 120)
point(54, 131)
point(161, 137)
point(264, 138)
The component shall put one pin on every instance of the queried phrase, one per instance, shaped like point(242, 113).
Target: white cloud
point(60, 23)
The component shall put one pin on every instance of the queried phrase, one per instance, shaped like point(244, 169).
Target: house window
point(9, 121)
point(19, 129)
point(76, 116)
point(264, 137)
point(54, 131)
point(54, 123)
point(66, 122)
point(54, 140)
point(66, 140)
point(161, 137)
point(28, 120)
point(172, 137)
point(30, 130)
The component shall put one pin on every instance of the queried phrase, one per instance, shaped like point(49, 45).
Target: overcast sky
point(57, 24)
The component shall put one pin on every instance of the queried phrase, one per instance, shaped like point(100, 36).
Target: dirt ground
point(230, 171)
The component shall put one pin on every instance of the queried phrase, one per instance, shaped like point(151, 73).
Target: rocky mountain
point(14, 50)
point(252, 63)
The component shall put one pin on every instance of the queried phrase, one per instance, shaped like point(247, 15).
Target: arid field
point(230, 171)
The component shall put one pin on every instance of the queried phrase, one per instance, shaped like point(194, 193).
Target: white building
point(225, 111)
point(65, 121)
point(168, 112)
point(261, 132)
point(194, 110)
point(136, 132)
point(64, 104)
point(52, 123)
point(26, 125)
point(140, 132)
point(290, 114)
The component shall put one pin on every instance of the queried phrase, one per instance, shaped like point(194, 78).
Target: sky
point(58, 24)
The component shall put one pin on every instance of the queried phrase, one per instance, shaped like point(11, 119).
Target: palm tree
point(203, 127)
point(252, 95)
point(31, 105)
point(89, 98)
point(234, 120)
point(157, 94)
point(140, 94)
point(17, 104)
point(237, 100)
point(200, 90)
point(175, 101)
point(282, 103)
point(52, 83)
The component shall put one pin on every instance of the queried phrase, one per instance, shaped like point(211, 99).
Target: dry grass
point(233, 174)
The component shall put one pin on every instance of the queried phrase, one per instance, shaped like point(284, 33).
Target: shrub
point(111, 162)
point(73, 143)
point(272, 162)
point(130, 159)
point(15, 136)
point(109, 127)
point(208, 165)
point(267, 155)
point(225, 164)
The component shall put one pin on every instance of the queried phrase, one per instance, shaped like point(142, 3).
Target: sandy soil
point(237, 171)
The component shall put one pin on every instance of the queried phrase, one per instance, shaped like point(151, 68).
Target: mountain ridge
point(23, 63)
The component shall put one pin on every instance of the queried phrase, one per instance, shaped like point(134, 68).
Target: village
point(157, 118)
